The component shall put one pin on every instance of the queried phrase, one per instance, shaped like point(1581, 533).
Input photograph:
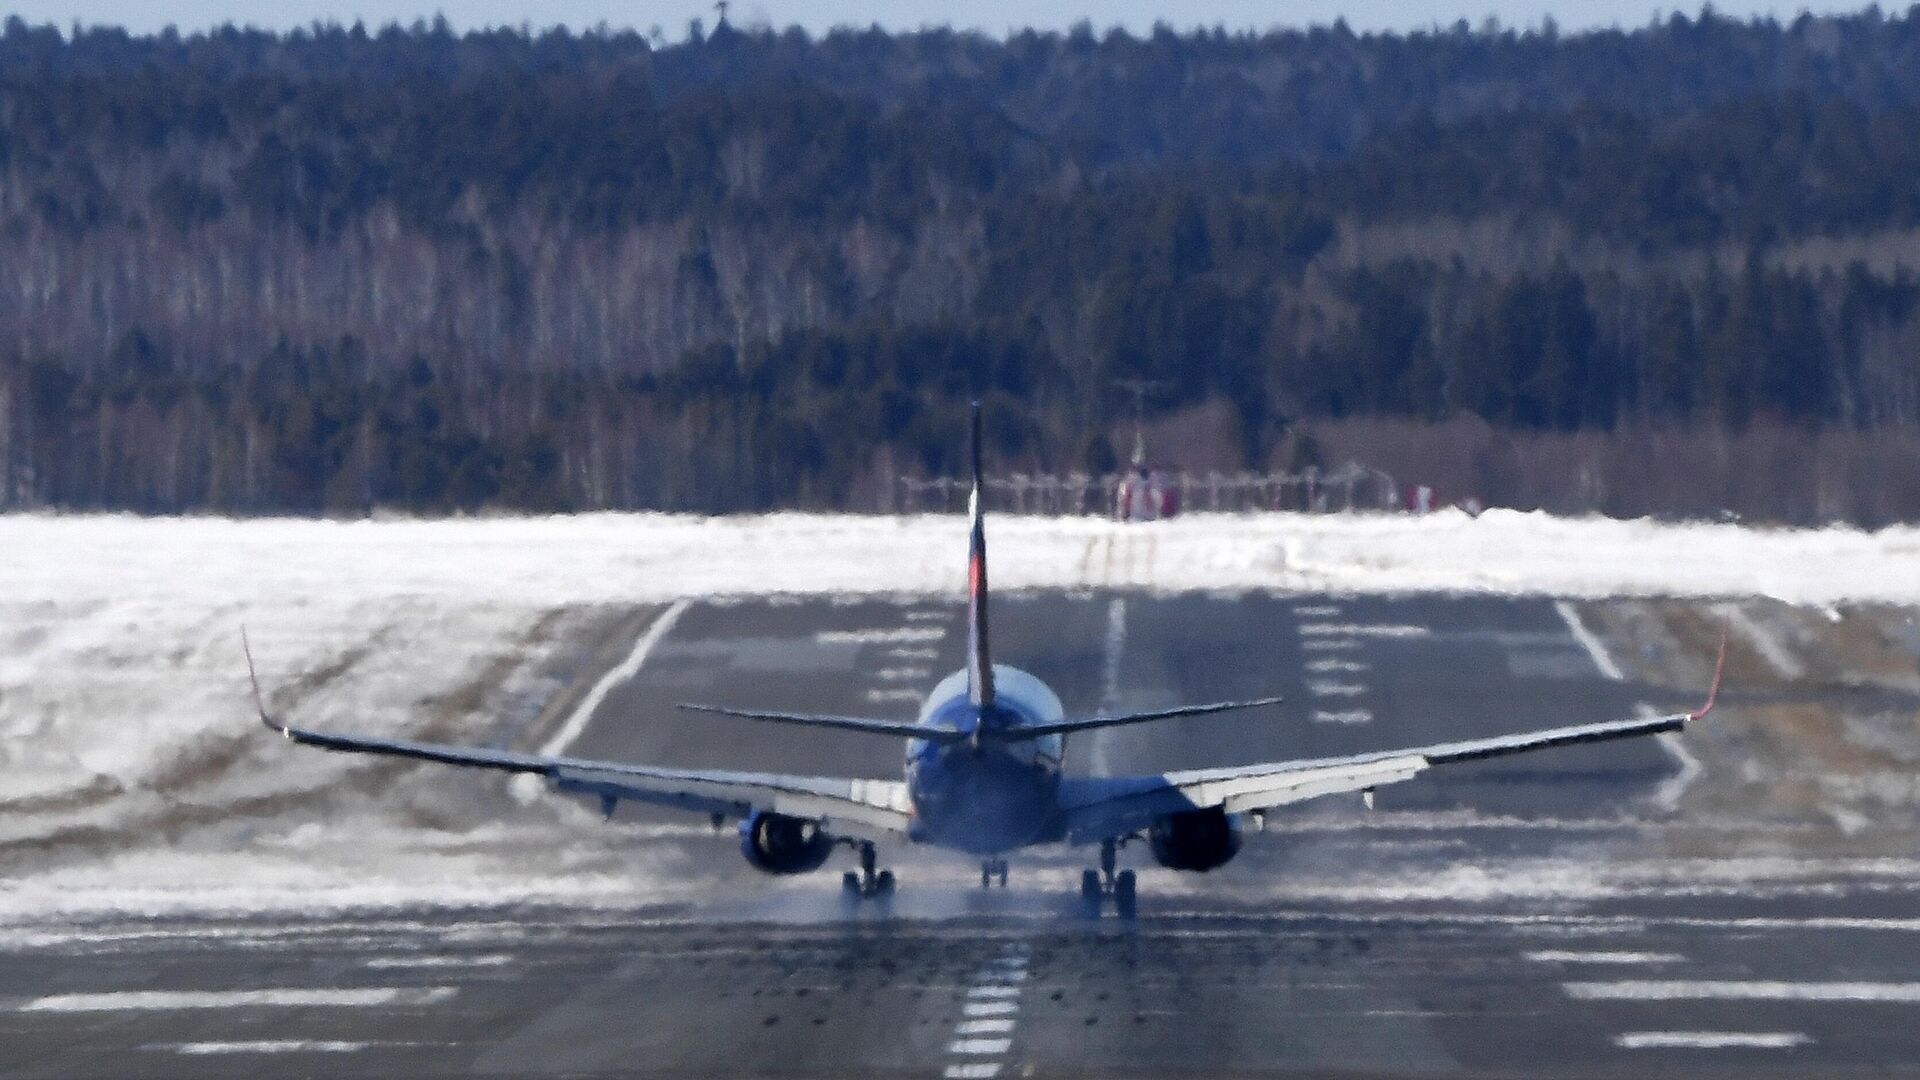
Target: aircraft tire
point(1124, 894)
point(1090, 893)
point(883, 883)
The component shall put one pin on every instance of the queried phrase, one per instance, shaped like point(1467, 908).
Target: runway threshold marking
point(1710, 1040)
point(625, 670)
point(1901, 993)
point(990, 1013)
point(281, 997)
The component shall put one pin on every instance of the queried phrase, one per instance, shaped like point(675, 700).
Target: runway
point(1728, 906)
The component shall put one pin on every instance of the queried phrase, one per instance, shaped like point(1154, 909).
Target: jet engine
point(783, 844)
point(1194, 840)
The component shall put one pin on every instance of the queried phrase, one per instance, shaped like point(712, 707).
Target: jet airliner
point(983, 774)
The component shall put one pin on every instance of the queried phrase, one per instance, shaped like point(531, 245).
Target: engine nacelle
point(1195, 840)
point(783, 844)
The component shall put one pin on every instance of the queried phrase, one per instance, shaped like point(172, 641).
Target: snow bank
point(125, 724)
point(562, 561)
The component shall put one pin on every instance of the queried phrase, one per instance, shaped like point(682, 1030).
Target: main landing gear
point(866, 885)
point(1095, 887)
point(992, 870)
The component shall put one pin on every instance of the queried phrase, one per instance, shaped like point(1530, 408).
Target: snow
point(124, 710)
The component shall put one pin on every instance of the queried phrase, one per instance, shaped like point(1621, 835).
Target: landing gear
point(866, 885)
point(1123, 895)
point(991, 869)
point(1095, 887)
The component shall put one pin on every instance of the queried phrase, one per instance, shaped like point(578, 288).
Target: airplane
point(983, 774)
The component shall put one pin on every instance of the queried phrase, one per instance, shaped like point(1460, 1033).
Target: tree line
point(342, 269)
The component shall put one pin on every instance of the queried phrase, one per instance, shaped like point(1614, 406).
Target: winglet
point(259, 699)
point(1713, 692)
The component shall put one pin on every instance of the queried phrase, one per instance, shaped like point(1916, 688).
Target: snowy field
point(132, 775)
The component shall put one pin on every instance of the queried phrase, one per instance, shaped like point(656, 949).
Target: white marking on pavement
point(263, 1046)
point(1316, 611)
point(990, 1009)
point(896, 635)
point(893, 695)
point(1324, 688)
point(913, 652)
point(1569, 956)
point(626, 670)
point(1906, 993)
point(926, 615)
point(1331, 664)
point(1373, 630)
point(1350, 716)
point(1710, 1040)
point(168, 1000)
point(1667, 796)
point(1115, 649)
point(381, 963)
point(1000, 1026)
point(1770, 647)
point(1330, 644)
point(1588, 641)
point(900, 674)
point(985, 1047)
point(998, 991)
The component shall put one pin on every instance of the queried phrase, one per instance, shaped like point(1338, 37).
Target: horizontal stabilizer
point(1062, 727)
point(898, 728)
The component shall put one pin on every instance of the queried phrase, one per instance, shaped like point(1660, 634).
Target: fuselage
point(987, 797)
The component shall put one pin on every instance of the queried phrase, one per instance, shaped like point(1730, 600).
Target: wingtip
point(1719, 668)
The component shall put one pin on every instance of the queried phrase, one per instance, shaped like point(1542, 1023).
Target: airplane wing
point(848, 806)
point(1098, 808)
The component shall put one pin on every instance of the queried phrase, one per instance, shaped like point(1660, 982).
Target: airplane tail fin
point(979, 658)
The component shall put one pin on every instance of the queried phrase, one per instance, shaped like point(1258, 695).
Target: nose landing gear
point(866, 885)
point(1095, 887)
point(992, 869)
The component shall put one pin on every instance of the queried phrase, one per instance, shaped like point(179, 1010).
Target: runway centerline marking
point(1710, 1040)
point(1327, 688)
point(1350, 716)
point(1330, 644)
point(284, 997)
point(1334, 664)
point(625, 671)
point(1903, 993)
point(1113, 650)
point(989, 1009)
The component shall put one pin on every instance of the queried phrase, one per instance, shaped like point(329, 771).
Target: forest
point(347, 269)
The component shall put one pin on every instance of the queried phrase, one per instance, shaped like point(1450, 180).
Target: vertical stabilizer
point(979, 661)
